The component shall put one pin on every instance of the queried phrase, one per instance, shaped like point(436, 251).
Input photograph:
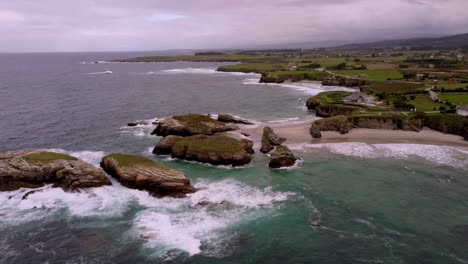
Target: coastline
point(298, 133)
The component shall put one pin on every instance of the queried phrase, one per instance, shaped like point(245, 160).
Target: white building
point(360, 98)
point(462, 110)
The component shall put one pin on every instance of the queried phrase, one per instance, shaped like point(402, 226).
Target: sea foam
point(439, 155)
point(202, 220)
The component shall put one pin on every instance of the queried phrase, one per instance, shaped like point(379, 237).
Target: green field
point(394, 87)
point(372, 75)
point(455, 98)
point(424, 103)
point(452, 86)
point(254, 67)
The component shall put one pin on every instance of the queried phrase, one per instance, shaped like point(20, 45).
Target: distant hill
point(448, 42)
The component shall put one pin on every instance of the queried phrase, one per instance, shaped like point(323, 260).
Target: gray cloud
point(88, 25)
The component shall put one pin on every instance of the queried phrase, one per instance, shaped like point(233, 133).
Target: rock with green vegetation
point(270, 139)
point(339, 124)
point(35, 168)
point(189, 125)
point(343, 81)
point(448, 123)
point(281, 157)
point(164, 147)
point(232, 119)
point(215, 150)
point(145, 174)
point(329, 104)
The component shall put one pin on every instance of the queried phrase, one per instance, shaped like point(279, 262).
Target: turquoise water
point(344, 203)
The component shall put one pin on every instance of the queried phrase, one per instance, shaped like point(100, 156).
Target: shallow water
point(344, 203)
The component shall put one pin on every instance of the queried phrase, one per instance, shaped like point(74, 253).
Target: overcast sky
point(111, 25)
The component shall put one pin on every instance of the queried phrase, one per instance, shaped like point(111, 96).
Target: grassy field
point(424, 103)
point(452, 86)
point(455, 98)
point(372, 75)
point(394, 87)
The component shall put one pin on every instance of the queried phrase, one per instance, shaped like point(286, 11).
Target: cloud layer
point(109, 25)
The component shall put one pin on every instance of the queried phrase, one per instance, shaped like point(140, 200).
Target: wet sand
point(297, 133)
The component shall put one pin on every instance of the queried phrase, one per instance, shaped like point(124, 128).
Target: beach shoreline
point(298, 133)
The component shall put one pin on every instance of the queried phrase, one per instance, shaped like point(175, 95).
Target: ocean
point(343, 203)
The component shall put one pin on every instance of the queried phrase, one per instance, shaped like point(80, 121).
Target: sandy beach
point(297, 133)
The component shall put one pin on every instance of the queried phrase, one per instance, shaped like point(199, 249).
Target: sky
point(132, 25)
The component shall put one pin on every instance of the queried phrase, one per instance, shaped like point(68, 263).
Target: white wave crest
point(439, 155)
point(309, 88)
point(164, 224)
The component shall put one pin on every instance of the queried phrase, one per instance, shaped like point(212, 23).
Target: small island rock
point(145, 174)
point(35, 168)
point(270, 139)
point(282, 157)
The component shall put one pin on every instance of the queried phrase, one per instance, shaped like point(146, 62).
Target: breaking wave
point(440, 155)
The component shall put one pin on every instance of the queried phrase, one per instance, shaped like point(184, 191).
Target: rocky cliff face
point(35, 168)
point(145, 174)
point(328, 110)
point(343, 124)
point(343, 81)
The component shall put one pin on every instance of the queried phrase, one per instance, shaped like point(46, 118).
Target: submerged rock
point(145, 174)
point(189, 125)
point(138, 123)
point(231, 119)
point(282, 157)
point(270, 139)
point(35, 168)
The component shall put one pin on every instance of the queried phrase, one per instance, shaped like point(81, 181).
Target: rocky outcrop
point(188, 125)
point(35, 168)
point(145, 174)
point(340, 124)
point(270, 139)
point(164, 147)
point(282, 157)
point(216, 150)
point(232, 119)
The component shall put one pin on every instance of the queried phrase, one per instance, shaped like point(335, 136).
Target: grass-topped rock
point(145, 174)
point(192, 124)
point(216, 150)
point(328, 104)
point(35, 168)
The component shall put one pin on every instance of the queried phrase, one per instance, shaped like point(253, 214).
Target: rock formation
point(145, 174)
point(231, 119)
point(35, 168)
point(216, 150)
point(188, 125)
point(270, 139)
point(282, 156)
